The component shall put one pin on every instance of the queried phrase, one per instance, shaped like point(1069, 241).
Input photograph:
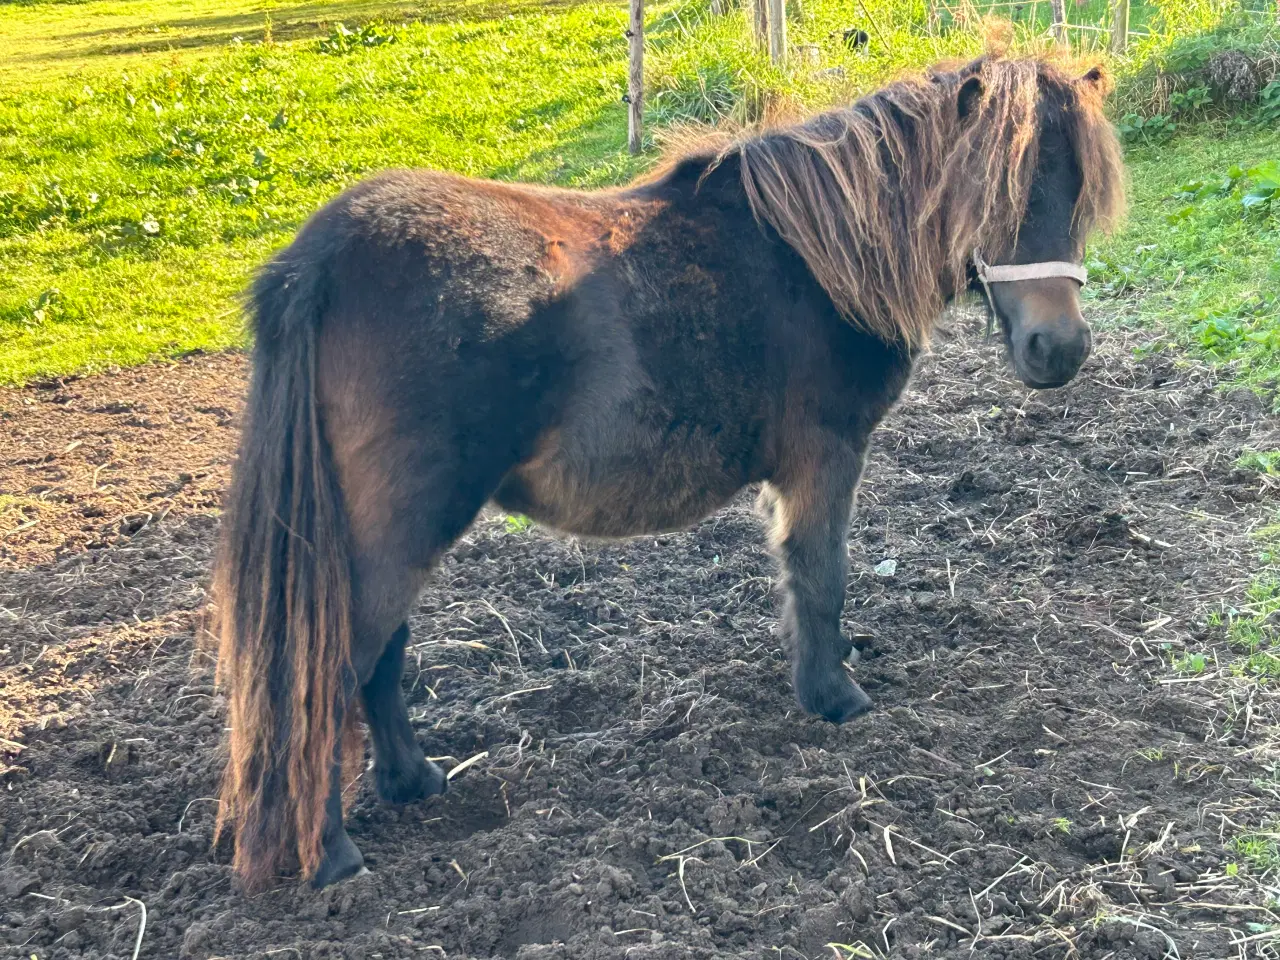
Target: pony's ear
point(967, 97)
point(1098, 78)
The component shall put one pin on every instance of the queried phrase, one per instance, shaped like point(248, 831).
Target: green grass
point(1252, 629)
point(134, 204)
point(1259, 851)
point(49, 39)
point(1038, 15)
point(1207, 269)
point(1253, 633)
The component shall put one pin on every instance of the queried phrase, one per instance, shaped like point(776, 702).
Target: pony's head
point(1058, 178)
point(988, 176)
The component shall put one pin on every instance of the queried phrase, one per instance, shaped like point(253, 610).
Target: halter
point(1023, 271)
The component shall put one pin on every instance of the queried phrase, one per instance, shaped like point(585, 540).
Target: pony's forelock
point(886, 197)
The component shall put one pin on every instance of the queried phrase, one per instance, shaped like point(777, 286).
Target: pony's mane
point(886, 197)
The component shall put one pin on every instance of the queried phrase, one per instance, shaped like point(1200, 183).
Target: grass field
point(152, 153)
point(1208, 269)
point(136, 196)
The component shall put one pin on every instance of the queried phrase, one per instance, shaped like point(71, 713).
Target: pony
point(612, 363)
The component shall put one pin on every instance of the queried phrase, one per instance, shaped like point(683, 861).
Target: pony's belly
point(642, 492)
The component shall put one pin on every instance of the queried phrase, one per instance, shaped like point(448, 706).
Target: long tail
point(282, 594)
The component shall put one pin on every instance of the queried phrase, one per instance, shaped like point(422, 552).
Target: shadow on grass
point(291, 23)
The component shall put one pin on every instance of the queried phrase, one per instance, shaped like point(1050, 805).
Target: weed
point(1192, 663)
point(1256, 188)
point(517, 523)
point(342, 40)
point(1192, 101)
point(1263, 461)
point(1135, 128)
point(1269, 103)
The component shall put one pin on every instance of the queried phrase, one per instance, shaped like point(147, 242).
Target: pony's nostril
point(1038, 348)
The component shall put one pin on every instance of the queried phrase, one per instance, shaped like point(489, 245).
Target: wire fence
point(1085, 23)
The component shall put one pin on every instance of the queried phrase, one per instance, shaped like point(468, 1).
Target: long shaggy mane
point(887, 199)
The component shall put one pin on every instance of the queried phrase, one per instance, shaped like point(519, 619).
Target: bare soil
point(1036, 781)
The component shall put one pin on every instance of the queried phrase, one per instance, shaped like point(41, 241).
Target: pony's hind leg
point(420, 438)
point(811, 505)
point(383, 592)
point(393, 560)
point(401, 773)
point(342, 858)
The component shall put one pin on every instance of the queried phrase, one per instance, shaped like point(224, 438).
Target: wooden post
point(1119, 26)
point(1059, 21)
point(760, 21)
point(635, 78)
point(778, 32)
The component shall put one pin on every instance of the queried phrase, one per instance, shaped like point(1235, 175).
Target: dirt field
point(1036, 782)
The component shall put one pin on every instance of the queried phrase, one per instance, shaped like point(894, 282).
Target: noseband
point(1023, 271)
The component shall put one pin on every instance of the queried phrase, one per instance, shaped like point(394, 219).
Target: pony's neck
point(854, 192)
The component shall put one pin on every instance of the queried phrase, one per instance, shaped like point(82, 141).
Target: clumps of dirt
point(1035, 780)
point(86, 463)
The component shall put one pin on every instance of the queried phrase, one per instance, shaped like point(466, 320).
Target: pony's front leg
point(402, 774)
point(812, 500)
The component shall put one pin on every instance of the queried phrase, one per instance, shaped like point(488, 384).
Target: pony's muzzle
point(1048, 338)
point(1050, 354)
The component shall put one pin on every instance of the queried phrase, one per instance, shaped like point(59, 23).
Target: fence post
point(1119, 26)
point(1059, 21)
point(760, 21)
point(778, 32)
point(635, 78)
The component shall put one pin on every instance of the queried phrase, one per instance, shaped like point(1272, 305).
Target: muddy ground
point(1037, 780)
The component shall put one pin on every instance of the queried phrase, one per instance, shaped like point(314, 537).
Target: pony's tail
point(282, 595)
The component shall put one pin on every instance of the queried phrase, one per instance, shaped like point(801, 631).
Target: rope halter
point(1023, 271)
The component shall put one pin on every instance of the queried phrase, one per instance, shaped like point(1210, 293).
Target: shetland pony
point(612, 363)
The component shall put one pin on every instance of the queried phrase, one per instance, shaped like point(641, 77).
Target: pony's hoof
point(342, 859)
point(403, 786)
point(838, 698)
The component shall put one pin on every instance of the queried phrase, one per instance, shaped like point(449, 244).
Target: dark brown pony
point(610, 363)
